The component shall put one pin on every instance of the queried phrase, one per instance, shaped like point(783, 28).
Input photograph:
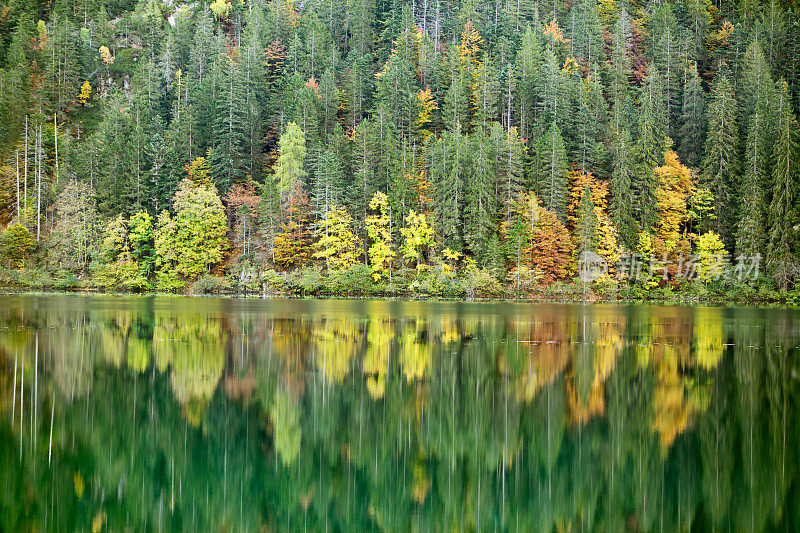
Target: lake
point(332, 415)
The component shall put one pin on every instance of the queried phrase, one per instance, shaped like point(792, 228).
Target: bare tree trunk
point(39, 186)
point(26, 171)
point(17, 194)
point(55, 141)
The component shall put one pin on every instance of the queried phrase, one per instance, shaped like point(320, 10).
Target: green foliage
point(17, 243)
point(207, 284)
point(195, 239)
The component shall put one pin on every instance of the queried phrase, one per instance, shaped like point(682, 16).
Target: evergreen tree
point(621, 191)
point(785, 183)
point(229, 154)
point(721, 163)
point(552, 175)
point(693, 120)
point(649, 146)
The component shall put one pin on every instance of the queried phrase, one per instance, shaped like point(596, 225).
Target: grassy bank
point(477, 285)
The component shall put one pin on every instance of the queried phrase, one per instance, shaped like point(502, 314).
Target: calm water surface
point(240, 415)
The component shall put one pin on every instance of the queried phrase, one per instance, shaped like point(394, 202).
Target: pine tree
point(649, 146)
point(552, 176)
point(750, 228)
point(229, 155)
point(289, 172)
point(785, 183)
point(621, 191)
point(721, 163)
point(480, 210)
point(328, 183)
point(693, 120)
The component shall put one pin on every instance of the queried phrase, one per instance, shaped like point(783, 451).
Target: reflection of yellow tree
point(415, 352)
point(665, 347)
point(708, 338)
point(114, 336)
point(376, 356)
point(285, 416)
point(194, 348)
point(290, 341)
point(335, 341)
point(606, 344)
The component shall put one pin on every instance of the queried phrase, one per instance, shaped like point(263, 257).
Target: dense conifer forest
point(440, 147)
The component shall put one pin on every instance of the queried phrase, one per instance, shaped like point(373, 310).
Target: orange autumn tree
point(535, 239)
point(292, 247)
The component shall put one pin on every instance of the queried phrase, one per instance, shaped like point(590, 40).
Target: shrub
point(168, 282)
point(479, 282)
point(17, 243)
point(307, 280)
point(207, 284)
point(355, 280)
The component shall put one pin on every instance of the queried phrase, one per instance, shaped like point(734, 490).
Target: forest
point(434, 147)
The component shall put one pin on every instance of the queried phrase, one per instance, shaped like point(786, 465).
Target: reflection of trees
point(191, 347)
point(634, 418)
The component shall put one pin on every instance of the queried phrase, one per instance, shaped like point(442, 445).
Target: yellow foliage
point(221, 9)
point(337, 243)
point(674, 189)
point(199, 171)
point(469, 48)
point(105, 55)
point(86, 92)
point(426, 106)
point(553, 30)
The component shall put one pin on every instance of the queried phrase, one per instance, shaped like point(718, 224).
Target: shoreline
point(686, 301)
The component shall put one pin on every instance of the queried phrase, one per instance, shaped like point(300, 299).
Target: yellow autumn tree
point(469, 48)
point(606, 237)
point(199, 171)
point(417, 237)
point(426, 105)
point(86, 92)
point(381, 253)
point(674, 189)
point(337, 244)
point(712, 254)
point(221, 9)
point(105, 55)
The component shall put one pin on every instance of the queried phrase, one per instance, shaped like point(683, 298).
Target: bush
point(307, 280)
point(120, 275)
point(168, 282)
point(33, 278)
point(274, 282)
point(437, 281)
point(208, 284)
point(16, 243)
point(607, 287)
point(480, 282)
point(65, 280)
point(355, 280)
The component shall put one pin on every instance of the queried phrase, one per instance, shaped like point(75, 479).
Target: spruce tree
point(693, 120)
point(623, 169)
point(721, 166)
point(551, 180)
point(785, 182)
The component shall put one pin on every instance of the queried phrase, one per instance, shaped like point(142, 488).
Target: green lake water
point(202, 414)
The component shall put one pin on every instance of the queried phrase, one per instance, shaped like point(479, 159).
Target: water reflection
point(199, 414)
